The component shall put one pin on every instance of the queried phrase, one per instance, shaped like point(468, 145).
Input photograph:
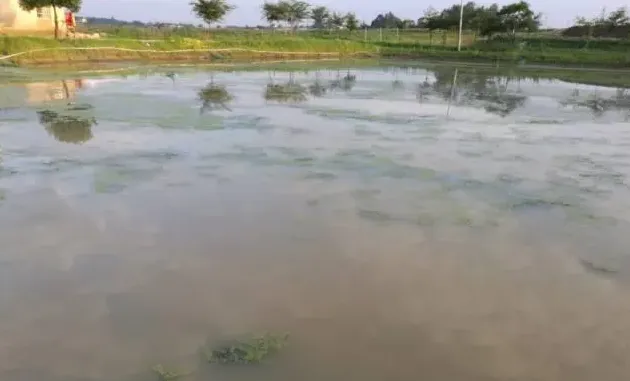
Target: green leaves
point(336, 20)
point(211, 11)
point(292, 12)
point(487, 20)
point(73, 5)
point(352, 23)
point(320, 16)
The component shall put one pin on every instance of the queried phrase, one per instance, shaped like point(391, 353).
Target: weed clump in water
point(166, 374)
point(250, 351)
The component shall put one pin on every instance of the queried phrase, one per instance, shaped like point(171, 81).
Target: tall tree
point(273, 13)
point(407, 24)
point(488, 21)
point(618, 18)
point(351, 21)
point(388, 20)
point(295, 12)
point(211, 11)
point(72, 5)
point(519, 16)
point(336, 20)
point(320, 16)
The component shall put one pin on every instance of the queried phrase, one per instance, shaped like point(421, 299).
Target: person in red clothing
point(70, 24)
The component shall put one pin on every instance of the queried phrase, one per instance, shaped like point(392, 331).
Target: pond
point(401, 222)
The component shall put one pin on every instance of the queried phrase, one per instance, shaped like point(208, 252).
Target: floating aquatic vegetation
point(250, 351)
point(214, 97)
point(164, 374)
point(290, 92)
point(597, 269)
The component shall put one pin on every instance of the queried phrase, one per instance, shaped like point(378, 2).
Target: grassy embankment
point(43, 50)
point(540, 51)
point(138, 45)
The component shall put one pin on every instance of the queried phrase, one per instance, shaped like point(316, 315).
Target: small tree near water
point(211, 11)
point(351, 21)
point(72, 5)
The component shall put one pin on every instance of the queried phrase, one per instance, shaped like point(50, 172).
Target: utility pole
point(461, 24)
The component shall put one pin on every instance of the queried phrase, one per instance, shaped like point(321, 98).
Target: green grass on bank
point(309, 45)
point(566, 57)
point(278, 46)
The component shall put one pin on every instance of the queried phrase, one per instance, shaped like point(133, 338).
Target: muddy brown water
point(401, 223)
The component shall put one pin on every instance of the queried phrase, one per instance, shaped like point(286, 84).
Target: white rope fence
point(222, 64)
point(14, 55)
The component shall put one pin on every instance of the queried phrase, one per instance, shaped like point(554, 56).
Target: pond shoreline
point(112, 55)
point(138, 209)
point(30, 52)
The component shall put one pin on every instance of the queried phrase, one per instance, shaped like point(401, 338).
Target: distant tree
point(351, 21)
point(589, 25)
point(583, 21)
point(449, 17)
point(320, 16)
point(211, 11)
point(614, 24)
point(429, 14)
point(407, 24)
point(72, 5)
point(431, 20)
point(388, 20)
point(273, 13)
point(488, 21)
point(336, 20)
point(295, 12)
point(519, 16)
point(618, 18)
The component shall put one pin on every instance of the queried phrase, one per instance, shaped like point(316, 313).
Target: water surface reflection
point(433, 222)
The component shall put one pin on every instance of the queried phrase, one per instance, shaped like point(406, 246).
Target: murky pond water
point(430, 223)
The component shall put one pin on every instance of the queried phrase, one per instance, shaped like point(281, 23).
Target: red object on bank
point(69, 19)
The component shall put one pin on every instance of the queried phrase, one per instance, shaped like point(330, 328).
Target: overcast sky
point(557, 13)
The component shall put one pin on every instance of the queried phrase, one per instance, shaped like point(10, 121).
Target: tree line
point(485, 20)
point(613, 24)
point(290, 13)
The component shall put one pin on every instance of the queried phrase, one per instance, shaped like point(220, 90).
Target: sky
point(556, 13)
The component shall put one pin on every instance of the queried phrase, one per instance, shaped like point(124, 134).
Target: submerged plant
point(214, 97)
point(251, 351)
point(166, 374)
point(285, 93)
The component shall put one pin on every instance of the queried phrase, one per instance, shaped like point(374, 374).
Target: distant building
point(14, 18)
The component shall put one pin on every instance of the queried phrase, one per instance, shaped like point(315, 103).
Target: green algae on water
point(249, 351)
point(164, 374)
